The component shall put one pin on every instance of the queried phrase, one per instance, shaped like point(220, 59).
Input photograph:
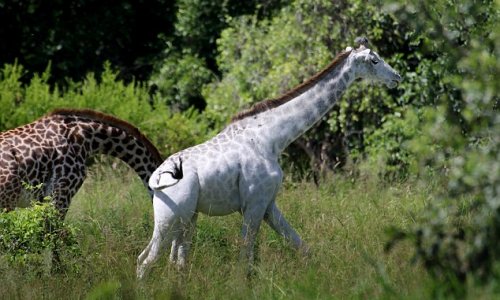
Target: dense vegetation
point(198, 62)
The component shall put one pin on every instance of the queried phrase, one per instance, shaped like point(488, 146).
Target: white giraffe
point(238, 169)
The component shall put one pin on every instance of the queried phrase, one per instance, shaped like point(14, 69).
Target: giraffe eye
point(374, 61)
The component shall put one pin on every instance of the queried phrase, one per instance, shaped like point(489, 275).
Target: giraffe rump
point(174, 171)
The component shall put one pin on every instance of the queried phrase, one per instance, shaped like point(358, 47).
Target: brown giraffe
point(54, 149)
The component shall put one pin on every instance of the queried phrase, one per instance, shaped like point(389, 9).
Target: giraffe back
point(53, 152)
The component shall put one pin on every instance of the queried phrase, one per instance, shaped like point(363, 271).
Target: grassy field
point(344, 222)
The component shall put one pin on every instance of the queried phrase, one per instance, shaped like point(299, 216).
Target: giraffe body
point(53, 151)
point(238, 169)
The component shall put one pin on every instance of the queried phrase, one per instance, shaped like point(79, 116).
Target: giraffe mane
point(112, 121)
point(291, 94)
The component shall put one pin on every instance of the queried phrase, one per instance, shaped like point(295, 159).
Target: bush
point(189, 60)
point(23, 104)
point(179, 80)
point(458, 236)
point(388, 149)
point(29, 235)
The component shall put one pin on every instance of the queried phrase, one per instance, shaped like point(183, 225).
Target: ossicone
point(362, 42)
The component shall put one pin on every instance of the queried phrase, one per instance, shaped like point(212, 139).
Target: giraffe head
point(367, 64)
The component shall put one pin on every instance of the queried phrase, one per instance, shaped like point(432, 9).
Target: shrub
point(387, 148)
point(179, 79)
point(458, 236)
point(171, 131)
point(29, 235)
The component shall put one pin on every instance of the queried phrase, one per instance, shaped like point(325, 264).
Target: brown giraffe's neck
point(92, 133)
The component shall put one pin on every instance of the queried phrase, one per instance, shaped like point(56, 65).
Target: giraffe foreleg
point(64, 183)
point(278, 223)
point(252, 218)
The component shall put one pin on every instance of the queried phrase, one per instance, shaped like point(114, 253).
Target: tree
point(189, 61)
point(79, 36)
point(459, 235)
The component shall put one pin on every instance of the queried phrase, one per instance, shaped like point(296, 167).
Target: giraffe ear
point(363, 53)
point(366, 53)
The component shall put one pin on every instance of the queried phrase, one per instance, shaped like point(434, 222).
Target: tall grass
point(343, 221)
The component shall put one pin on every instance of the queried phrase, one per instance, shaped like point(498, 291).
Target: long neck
point(93, 137)
point(282, 125)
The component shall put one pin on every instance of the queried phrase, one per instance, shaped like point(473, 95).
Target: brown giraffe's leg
point(10, 190)
point(10, 184)
point(62, 191)
point(61, 199)
point(68, 180)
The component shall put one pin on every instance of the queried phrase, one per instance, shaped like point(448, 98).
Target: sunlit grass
point(343, 221)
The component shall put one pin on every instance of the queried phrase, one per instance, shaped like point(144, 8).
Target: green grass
point(343, 221)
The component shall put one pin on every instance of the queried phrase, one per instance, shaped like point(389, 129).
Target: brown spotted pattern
point(53, 151)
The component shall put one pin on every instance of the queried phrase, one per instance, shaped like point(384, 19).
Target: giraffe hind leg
point(162, 237)
point(173, 208)
point(186, 241)
point(174, 250)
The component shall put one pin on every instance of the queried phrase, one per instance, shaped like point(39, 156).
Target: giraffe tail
point(168, 174)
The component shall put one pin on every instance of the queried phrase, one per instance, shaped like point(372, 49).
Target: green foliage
point(79, 36)
point(459, 234)
point(388, 150)
point(190, 59)
point(10, 93)
point(179, 81)
point(27, 234)
point(199, 22)
point(172, 132)
point(105, 291)
point(23, 104)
